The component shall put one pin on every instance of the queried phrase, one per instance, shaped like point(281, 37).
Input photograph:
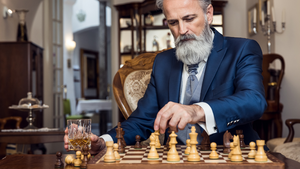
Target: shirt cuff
point(106, 137)
point(210, 123)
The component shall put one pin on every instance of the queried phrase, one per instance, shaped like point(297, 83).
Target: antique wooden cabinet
point(21, 65)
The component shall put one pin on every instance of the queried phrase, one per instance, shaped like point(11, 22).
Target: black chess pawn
point(58, 162)
point(241, 135)
point(85, 152)
point(137, 144)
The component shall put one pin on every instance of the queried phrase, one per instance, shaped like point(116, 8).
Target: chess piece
point(213, 154)
point(152, 153)
point(172, 153)
point(157, 142)
point(116, 148)
point(193, 156)
point(252, 152)
point(168, 141)
point(85, 152)
point(77, 161)
point(236, 152)
point(137, 144)
point(231, 148)
point(241, 135)
point(188, 147)
point(58, 162)
point(205, 143)
point(226, 142)
point(123, 140)
point(88, 156)
point(69, 159)
point(109, 156)
point(260, 154)
point(119, 137)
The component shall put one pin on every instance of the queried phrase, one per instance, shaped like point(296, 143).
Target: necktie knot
point(192, 70)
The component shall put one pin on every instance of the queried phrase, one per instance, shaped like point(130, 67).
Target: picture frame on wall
point(263, 7)
point(253, 18)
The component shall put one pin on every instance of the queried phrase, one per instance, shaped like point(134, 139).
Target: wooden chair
point(130, 84)
point(12, 122)
point(272, 84)
point(290, 146)
point(6, 122)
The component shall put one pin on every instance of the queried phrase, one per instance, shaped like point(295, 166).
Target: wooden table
point(26, 161)
point(29, 138)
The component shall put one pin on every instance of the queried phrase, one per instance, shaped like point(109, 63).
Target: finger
point(174, 121)
point(94, 138)
point(66, 131)
point(166, 116)
point(182, 123)
point(158, 117)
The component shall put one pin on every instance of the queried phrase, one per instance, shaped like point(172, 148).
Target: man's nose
point(182, 28)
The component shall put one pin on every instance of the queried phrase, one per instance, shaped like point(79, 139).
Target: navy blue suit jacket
point(232, 86)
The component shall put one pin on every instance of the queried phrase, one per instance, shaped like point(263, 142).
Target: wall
point(87, 39)
point(8, 26)
point(287, 45)
point(235, 18)
point(91, 9)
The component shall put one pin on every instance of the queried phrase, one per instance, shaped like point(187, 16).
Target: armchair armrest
point(290, 123)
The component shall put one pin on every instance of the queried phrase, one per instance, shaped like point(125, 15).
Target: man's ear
point(210, 14)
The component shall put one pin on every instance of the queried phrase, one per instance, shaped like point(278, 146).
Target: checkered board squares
point(133, 155)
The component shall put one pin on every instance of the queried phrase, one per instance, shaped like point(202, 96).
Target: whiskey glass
point(79, 132)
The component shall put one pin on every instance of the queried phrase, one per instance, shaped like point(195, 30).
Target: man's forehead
point(181, 7)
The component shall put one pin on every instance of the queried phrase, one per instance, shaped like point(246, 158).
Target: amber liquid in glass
point(78, 143)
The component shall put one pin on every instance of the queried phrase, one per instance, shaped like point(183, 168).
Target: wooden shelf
point(155, 27)
point(147, 28)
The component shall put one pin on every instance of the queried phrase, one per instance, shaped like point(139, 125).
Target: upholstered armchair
point(290, 146)
point(131, 81)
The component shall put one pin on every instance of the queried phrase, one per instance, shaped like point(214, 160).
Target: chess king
point(208, 80)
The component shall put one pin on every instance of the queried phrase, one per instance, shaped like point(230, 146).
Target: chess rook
point(260, 154)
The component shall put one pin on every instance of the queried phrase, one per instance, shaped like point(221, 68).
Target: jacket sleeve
point(241, 99)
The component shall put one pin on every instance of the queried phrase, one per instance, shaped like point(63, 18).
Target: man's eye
point(172, 23)
point(190, 19)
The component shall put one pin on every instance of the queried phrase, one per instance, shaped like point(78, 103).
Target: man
point(209, 80)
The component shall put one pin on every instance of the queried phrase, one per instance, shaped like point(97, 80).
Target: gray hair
point(203, 3)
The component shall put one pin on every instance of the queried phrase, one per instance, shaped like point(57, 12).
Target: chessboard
point(137, 158)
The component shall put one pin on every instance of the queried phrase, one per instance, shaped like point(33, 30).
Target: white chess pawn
point(109, 156)
point(188, 147)
point(77, 161)
point(252, 152)
point(213, 154)
point(116, 153)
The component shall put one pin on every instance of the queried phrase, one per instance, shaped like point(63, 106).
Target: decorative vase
point(22, 30)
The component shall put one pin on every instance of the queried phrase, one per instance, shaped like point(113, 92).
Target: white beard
point(196, 48)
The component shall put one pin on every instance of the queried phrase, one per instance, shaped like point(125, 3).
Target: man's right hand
point(97, 144)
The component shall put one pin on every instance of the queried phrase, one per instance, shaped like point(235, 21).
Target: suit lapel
point(213, 62)
point(175, 81)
